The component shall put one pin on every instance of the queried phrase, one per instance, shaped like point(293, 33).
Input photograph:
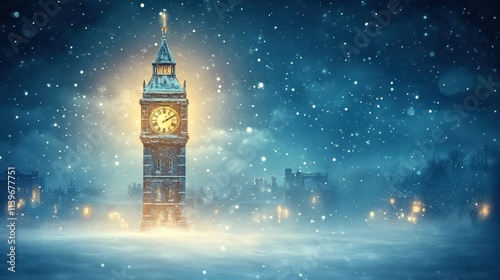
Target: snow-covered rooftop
point(163, 83)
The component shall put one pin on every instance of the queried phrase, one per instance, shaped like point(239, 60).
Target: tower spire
point(164, 27)
point(164, 134)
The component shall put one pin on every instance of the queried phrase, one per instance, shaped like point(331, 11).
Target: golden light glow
point(114, 215)
point(21, 203)
point(119, 107)
point(124, 109)
point(392, 201)
point(485, 211)
point(417, 207)
point(164, 120)
point(372, 214)
point(282, 213)
point(117, 220)
point(412, 219)
point(164, 19)
point(35, 195)
point(86, 212)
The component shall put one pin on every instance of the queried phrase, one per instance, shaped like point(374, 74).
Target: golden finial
point(164, 18)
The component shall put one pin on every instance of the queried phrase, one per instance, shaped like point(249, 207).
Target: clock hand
point(168, 118)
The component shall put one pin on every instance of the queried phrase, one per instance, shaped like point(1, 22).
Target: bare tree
point(450, 185)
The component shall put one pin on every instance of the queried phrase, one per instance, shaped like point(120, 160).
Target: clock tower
point(164, 134)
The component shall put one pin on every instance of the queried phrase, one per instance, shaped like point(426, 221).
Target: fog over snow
point(233, 252)
point(385, 115)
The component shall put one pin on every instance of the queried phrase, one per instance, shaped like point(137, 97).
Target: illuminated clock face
point(164, 120)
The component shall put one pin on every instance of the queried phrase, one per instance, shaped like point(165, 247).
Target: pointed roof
point(164, 82)
point(164, 55)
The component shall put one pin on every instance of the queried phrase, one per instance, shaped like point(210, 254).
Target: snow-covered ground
point(368, 252)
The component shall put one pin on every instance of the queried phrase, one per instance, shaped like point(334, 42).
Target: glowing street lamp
point(21, 203)
point(86, 212)
point(412, 219)
point(114, 216)
point(314, 199)
point(485, 211)
point(282, 213)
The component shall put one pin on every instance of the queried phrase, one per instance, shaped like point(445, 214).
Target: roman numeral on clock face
point(164, 120)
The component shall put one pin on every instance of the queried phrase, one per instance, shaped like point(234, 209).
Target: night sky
point(268, 82)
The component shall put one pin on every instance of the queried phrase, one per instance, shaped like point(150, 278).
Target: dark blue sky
point(268, 83)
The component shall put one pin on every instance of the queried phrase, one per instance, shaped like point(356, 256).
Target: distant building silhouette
point(302, 196)
point(134, 191)
point(28, 191)
point(308, 193)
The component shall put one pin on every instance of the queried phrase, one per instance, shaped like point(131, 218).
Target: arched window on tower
point(170, 194)
point(158, 166)
point(158, 194)
point(164, 70)
point(170, 165)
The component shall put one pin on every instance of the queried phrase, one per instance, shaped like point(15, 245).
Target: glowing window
point(158, 194)
point(170, 194)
